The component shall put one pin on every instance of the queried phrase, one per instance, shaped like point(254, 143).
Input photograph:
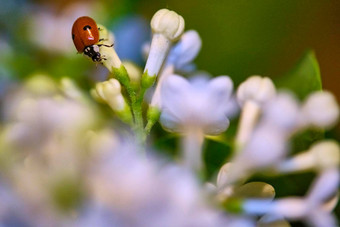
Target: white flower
point(179, 59)
point(185, 51)
point(110, 92)
point(324, 187)
point(266, 148)
point(167, 26)
point(195, 108)
point(198, 103)
point(249, 190)
point(144, 192)
point(156, 100)
point(167, 23)
point(257, 89)
point(267, 144)
point(252, 95)
point(35, 116)
point(320, 110)
point(311, 209)
point(109, 57)
point(282, 112)
point(322, 155)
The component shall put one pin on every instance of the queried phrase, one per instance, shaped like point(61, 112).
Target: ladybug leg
point(105, 45)
point(103, 58)
point(100, 40)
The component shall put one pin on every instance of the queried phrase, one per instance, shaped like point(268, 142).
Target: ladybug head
point(93, 52)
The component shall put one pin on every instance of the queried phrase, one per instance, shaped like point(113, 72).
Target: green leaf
point(304, 78)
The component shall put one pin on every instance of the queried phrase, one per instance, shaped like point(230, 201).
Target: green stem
point(136, 103)
point(153, 115)
point(136, 106)
point(139, 124)
point(148, 127)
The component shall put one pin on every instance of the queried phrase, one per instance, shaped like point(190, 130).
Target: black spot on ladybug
point(86, 27)
point(73, 36)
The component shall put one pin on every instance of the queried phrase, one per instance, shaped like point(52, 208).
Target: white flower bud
point(249, 116)
point(105, 35)
point(282, 112)
point(110, 91)
point(168, 23)
point(257, 89)
point(251, 95)
point(167, 26)
point(323, 155)
point(321, 109)
point(326, 154)
point(41, 84)
point(110, 58)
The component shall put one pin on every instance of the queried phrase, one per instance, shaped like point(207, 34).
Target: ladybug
point(85, 36)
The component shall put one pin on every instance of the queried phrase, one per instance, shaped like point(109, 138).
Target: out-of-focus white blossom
point(267, 145)
point(185, 51)
point(33, 117)
point(179, 59)
point(51, 30)
point(265, 148)
point(195, 108)
point(250, 190)
point(156, 100)
point(310, 208)
point(110, 91)
point(282, 112)
point(252, 94)
point(324, 187)
point(321, 156)
point(43, 148)
point(320, 110)
point(257, 89)
point(197, 103)
point(139, 192)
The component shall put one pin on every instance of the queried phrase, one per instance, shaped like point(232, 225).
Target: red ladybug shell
point(84, 33)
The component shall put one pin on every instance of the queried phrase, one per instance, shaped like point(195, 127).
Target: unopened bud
point(168, 23)
point(257, 89)
point(321, 109)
